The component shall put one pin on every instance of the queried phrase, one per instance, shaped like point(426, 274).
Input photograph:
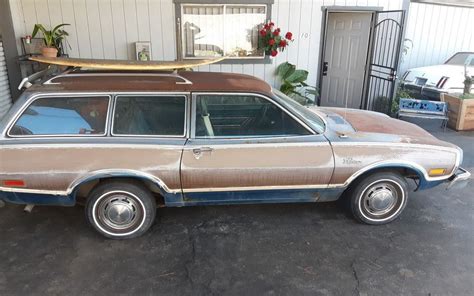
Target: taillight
point(14, 183)
point(442, 82)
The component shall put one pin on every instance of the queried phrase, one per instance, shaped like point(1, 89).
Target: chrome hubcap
point(380, 198)
point(118, 211)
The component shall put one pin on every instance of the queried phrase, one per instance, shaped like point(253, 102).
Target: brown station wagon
point(126, 142)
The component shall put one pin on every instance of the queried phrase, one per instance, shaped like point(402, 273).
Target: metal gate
point(384, 58)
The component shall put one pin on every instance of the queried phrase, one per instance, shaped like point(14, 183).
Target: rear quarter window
point(160, 115)
point(59, 116)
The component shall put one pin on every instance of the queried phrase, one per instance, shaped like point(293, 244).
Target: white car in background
point(429, 82)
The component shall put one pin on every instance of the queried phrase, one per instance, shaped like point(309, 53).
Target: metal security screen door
point(387, 40)
point(345, 58)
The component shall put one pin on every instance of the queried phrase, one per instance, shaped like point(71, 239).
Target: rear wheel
point(121, 210)
point(379, 198)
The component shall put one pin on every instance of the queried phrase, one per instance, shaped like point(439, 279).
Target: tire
point(379, 198)
point(121, 210)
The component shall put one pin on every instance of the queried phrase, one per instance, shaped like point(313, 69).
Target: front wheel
point(121, 210)
point(379, 198)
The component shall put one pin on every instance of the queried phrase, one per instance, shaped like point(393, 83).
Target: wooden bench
point(424, 109)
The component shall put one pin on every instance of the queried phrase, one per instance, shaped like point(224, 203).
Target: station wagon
point(124, 143)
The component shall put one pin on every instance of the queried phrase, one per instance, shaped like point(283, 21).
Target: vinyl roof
point(89, 81)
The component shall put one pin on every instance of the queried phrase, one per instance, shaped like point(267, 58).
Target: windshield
point(461, 58)
point(310, 117)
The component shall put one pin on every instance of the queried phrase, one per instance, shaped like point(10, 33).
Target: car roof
point(123, 81)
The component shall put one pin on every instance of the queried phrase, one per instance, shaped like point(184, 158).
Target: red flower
point(289, 35)
point(283, 43)
point(266, 27)
point(274, 53)
point(278, 29)
point(271, 24)
point(263, 32)
point(276, 33)
point(271, 41)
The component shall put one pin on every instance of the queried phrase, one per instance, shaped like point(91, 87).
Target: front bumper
point(422, 92)
point(459, 179)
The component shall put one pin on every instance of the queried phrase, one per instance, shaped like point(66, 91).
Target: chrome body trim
point(461, 177)
point(252, 188)
point(71, 75)
point(35, 191)
point(120, 172)
point(397, 163)
point(88, 145)
point(258, 145)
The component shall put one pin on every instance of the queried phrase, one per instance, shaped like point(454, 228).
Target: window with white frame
point(215, 30)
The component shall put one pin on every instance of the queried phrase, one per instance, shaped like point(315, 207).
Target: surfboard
point(125, 64)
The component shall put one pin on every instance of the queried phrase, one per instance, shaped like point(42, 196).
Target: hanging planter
point(271, 41)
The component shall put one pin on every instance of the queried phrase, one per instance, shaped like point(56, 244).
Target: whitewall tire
point(121, 210)
point(379, 198)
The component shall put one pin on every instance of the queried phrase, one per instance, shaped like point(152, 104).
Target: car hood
point(433, 74)
point(362, 125)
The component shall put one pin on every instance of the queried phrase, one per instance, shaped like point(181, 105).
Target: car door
point(245, 147)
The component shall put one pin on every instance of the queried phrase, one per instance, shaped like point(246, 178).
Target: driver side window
point(243, 116)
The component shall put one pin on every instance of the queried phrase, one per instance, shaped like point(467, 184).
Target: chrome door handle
point(202, 149)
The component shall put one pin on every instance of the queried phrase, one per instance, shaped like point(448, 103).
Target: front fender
point(425, 180)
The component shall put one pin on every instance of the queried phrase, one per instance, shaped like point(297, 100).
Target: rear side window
point(150, 115)
point(59, 116)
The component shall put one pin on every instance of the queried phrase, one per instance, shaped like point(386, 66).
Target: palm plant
point(294, 84)
point(52, 38)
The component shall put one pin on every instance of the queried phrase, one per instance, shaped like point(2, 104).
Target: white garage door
point(5, 98)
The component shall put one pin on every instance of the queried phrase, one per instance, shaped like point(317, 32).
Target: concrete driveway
point(296, 249)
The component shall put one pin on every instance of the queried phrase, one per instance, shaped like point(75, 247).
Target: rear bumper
point(459, 179)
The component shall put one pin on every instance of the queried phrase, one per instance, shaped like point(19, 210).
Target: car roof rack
point(86, 72)
point(28, 81)
point(125, 68)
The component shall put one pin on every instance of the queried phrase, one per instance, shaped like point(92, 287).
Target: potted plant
point(52, 39)
point(461, 107)
point(271, 41)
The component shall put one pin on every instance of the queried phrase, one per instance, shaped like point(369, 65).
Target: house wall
point(5, 97)
point(109, 28)
point(437, 32)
